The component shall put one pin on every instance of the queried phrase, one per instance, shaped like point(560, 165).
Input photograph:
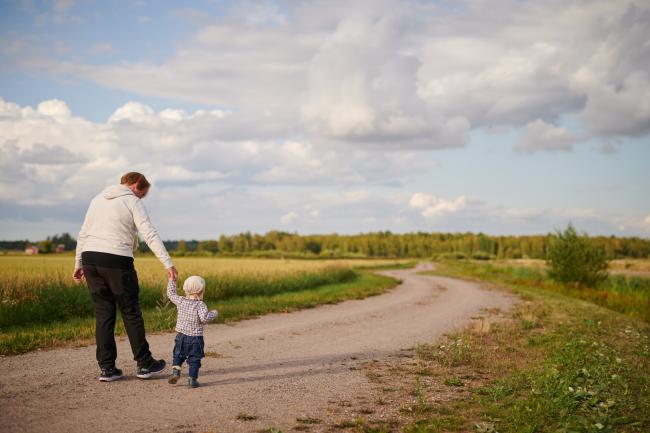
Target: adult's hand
point(78, 275)
point(172, 273)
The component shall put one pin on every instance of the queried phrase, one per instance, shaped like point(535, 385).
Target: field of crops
point(40, 305)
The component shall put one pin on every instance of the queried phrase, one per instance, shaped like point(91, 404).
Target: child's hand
point(172, 273)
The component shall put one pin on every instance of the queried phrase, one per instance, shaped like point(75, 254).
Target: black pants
point(111, 287)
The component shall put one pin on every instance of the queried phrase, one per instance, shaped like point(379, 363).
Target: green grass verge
point(626, 294)
point(558, 364)
point(162, 317)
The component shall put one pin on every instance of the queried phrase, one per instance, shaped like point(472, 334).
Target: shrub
point(574, 259)
point(482, 255)
point(450, 256)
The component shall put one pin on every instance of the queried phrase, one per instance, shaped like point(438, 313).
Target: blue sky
point(507, 117)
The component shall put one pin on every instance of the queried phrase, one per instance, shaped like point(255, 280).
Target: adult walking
point(104, 258)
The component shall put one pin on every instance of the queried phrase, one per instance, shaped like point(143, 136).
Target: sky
point(500, 116)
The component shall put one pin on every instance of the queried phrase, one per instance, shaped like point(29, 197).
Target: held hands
point(78, 275)
point(172, 273)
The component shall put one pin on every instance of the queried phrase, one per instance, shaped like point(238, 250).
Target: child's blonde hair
point(194, 285)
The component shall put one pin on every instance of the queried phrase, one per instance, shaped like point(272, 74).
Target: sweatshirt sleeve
point(171, 292)
point(204, 315)
point(81, 238)
point(150, 234)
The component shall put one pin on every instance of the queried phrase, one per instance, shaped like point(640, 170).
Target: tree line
point(375, 244)
point(47, 245)
point(387, 244)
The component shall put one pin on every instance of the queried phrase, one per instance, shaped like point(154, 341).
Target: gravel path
point(278, 367)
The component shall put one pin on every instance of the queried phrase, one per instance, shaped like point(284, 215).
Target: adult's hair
point(136, 178)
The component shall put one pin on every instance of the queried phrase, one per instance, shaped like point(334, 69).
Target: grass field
point(42, 307)
point(553, 364)
point(625, 293)
point(639, 267)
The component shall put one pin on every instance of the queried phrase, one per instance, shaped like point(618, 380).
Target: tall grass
point(61, 302)
point(23, 277)
point(40, 292)
point(551, 365)
point(627, 294)
point(41, 306)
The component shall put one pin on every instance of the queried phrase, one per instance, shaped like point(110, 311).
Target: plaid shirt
point(192, 313)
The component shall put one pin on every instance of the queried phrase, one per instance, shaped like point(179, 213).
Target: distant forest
point(376, 244)
point(387, 244)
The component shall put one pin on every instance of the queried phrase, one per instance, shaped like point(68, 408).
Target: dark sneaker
point(156, 367)
point(193, 383)
point(176, 374)
point(110, 374)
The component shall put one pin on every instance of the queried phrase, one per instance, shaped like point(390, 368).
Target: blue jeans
point(190, 348)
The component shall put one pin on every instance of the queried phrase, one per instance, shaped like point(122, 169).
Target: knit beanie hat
point(193, 285)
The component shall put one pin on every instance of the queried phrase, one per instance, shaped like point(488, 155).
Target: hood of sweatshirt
point(115, 191)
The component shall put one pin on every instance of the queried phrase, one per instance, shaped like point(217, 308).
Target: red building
point(31, 250)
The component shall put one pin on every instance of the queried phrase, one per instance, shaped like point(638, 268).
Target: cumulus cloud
point(431, 206)
point(646, 221)
point(539, 135)
point(289, 218)
point(50, 157)
point(343, 97)
point(403, 73)
point(362, 84)
point(614, 77)
point(469, 213)
point(54, 108)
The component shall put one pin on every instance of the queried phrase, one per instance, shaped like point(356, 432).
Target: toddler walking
point(192, 315)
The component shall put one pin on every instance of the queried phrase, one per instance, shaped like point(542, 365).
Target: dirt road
point(278, 368)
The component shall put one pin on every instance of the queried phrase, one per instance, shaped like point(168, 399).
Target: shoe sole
point(110, 379)
point(173, 380)
point(151, 373)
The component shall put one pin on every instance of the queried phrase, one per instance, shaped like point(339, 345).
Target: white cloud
point(54, 108)
point(646, 221)
point(403, 73)
point(432, 206)
point(362, 84)
point(132, 111)
point(48, 149)
point(289, 218)
point(539, 135)
point(342, 97)
point(179, 173)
